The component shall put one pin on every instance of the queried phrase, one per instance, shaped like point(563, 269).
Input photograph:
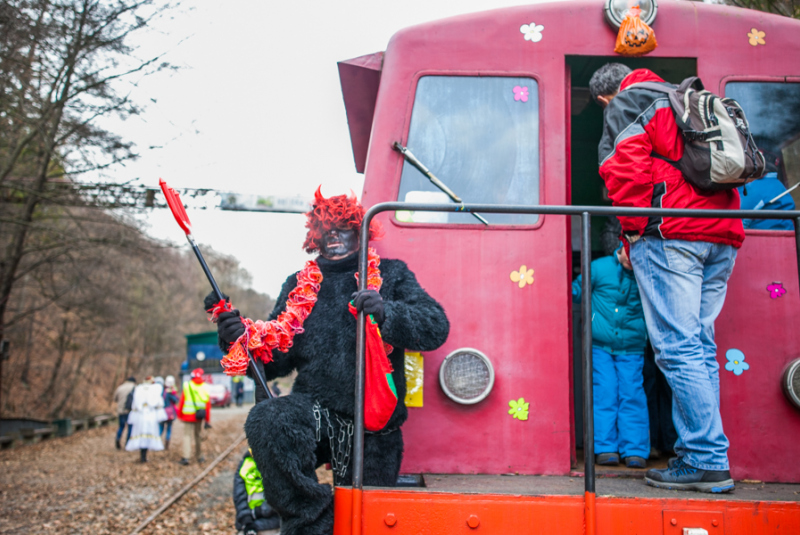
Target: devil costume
point(312, 330)
point(291, 436)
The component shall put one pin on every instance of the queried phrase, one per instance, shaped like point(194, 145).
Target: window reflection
point(480, 136)
point(773, 111)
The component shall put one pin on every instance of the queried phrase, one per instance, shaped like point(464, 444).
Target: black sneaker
point(607, 459)
point(635, 462)
point(183, 462)
point(681, 476)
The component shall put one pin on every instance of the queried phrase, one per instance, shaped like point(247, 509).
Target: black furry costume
point(289, 439)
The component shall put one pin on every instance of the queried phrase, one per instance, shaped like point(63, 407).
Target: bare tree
point(59, 63)
point(787, 8)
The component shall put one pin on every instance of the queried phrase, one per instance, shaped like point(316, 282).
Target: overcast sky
point(257, 108)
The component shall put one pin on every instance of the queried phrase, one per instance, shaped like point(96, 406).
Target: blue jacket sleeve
point(577, 289)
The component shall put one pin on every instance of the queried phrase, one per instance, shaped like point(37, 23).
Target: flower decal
point(519, 409)
point(532, 32)
point(736, 363)
point(776, 290)
point(523, 276)
point(755, 37)
point(521, 93)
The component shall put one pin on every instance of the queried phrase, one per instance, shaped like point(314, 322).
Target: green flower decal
point(519, 409)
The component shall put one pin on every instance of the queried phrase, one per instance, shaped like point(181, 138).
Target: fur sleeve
point(414, 320)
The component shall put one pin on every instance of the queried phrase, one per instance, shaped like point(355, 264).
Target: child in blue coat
point(619, 335)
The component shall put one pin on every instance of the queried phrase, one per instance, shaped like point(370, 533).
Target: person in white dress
point(146, 413)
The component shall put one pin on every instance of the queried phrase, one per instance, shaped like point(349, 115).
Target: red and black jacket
point(639, 135)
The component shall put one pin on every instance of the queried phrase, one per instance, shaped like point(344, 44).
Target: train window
point(773, 111)
point(480, 136)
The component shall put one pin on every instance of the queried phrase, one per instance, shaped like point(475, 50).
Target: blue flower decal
point(736, 363)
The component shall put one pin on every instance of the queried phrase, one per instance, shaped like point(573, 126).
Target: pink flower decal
point(521, 93)
point(776, 290)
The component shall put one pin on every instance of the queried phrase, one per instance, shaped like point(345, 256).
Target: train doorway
point(585, 119)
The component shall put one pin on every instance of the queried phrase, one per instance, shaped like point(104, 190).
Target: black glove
point(211, 300)
point(370, 302)
point(229, 327)
point(206, 425)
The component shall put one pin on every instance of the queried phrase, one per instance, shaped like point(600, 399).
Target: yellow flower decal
point(523, 276)
point(756, 37)
point(519, 409)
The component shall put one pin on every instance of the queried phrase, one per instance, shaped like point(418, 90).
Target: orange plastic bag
point(635, 37)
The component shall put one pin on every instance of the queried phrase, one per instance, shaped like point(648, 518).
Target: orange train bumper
point(399, 512)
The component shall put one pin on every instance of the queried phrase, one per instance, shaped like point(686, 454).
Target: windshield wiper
point(410, 158)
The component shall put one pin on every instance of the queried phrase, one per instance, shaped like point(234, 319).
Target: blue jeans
point(621, 422)
point(123, 420)
point(166, 424)
point(683, 285)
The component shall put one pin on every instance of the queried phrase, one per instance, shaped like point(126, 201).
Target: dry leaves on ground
point(82, 484)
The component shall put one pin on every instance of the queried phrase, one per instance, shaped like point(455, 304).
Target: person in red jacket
point(194, 410)
point(681, 265)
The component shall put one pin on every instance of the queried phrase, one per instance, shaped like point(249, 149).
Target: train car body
point(496, 105)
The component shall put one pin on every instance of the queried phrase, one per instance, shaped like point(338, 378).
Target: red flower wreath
point(261, 337)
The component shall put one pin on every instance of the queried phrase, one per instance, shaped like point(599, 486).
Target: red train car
point(496, 104)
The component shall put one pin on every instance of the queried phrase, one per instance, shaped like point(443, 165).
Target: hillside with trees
point(112, 303)
point(86, 298)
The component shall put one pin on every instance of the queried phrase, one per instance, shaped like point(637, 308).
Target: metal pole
point(588, 401)
point(586, 257)
point(358, 420)
point(358, 416)
point(259, 378)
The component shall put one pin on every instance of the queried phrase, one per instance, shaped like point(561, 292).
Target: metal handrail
point(586, 301)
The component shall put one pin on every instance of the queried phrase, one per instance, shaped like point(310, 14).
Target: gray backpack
point(719, 151)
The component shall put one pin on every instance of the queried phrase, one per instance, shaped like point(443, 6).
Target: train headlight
point(466, 376)
point(615, 11)
point(790, 382)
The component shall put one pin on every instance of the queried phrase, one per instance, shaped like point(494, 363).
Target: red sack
point(635, 37)
point(380, 394)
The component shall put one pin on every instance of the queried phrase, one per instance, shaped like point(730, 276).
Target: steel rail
point(585, 212)
point(178, 495)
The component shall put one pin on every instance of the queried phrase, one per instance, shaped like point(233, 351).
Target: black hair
point(605, 80)
point(610, 235)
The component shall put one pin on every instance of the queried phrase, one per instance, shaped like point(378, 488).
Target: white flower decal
point(532, 31)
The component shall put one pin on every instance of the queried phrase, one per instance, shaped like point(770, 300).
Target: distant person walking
point(170, 407)
point(146, 413)
point(123, 408)
point(238, 390)
point(194, 409)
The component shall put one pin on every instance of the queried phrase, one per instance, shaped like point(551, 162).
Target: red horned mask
point(340, 211)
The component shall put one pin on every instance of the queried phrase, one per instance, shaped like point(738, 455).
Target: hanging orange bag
point(380, 394)
point(635, 37)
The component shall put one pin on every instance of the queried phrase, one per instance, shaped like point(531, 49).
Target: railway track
point(189, 486)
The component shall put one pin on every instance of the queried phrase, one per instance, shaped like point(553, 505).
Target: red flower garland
point(261, 337)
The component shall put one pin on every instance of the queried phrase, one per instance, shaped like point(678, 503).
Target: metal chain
point(341, 446)
point(317, 418)
point(345, 444)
